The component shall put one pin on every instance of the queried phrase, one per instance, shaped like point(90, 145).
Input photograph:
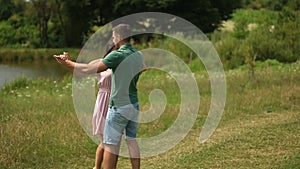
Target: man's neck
point(122, 43)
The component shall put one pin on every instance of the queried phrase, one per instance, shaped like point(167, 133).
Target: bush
point(6, 34)
point(276, 36)
point(280, 42)
point(247, 20)
point(18, 32)
point(230, 52)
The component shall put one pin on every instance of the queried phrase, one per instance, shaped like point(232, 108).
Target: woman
point(101, 107)
point(102, 101)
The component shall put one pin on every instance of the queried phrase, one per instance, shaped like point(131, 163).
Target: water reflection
point(9, 72)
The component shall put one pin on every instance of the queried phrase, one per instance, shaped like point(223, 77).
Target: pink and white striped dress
point(102, 101)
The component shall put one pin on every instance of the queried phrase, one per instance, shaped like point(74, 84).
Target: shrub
point(276, 36)
point(280, 42)
point(230, 52)
point(18, 32)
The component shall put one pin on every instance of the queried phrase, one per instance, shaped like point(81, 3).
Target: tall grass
point(18, 55)
point(259, 127)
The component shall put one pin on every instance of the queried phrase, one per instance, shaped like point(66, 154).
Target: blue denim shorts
point(119, 120)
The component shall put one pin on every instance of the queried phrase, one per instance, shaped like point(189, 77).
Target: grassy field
point(259, 127)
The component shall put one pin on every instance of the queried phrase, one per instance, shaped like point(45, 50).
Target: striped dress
point(102, 101)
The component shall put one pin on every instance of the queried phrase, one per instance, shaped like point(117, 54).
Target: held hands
point(62, 58)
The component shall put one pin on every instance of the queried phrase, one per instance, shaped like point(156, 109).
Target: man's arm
point(83, 68)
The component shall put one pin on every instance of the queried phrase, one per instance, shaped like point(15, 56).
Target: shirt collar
point(125, 45)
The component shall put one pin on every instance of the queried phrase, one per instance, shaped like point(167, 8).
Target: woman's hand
point(62, 58)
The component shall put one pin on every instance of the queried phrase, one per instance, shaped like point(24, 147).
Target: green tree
point(6, 10)
point(66, 23)
point(78, 15)
point(275, 5)
point(205, 14)
point(19, 6)
point(102, 11)
point(24, 34)
point(226, 7)
point(42, 10)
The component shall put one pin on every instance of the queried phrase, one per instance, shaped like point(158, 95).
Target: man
point(126, 64)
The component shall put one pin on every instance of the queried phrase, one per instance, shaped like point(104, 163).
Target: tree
point(42, 11)
point(275, 5)
point(76, 17)
point(6, 10)
point(19, 6)
point(68, 22)
point(201, 13)
point(226, 7)
point(103, 11)
point(205, 14)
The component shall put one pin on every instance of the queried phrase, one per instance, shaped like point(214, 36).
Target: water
point(9, 72)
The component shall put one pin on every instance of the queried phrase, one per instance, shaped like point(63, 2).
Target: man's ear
point(120, 38)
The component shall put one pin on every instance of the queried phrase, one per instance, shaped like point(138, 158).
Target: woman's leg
point(99, 154)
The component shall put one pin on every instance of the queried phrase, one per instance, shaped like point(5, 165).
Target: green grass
point(12, 55)
point(259, 127)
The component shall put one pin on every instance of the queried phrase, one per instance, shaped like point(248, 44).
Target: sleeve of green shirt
point(112, 60)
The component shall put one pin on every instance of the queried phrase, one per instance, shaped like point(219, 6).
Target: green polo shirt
point(126, 64)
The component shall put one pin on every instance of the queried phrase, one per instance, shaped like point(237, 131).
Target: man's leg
point(131, 132)
point(114, 126)
point(134, 152)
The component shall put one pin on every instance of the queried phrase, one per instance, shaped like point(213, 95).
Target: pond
point(51, 69)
